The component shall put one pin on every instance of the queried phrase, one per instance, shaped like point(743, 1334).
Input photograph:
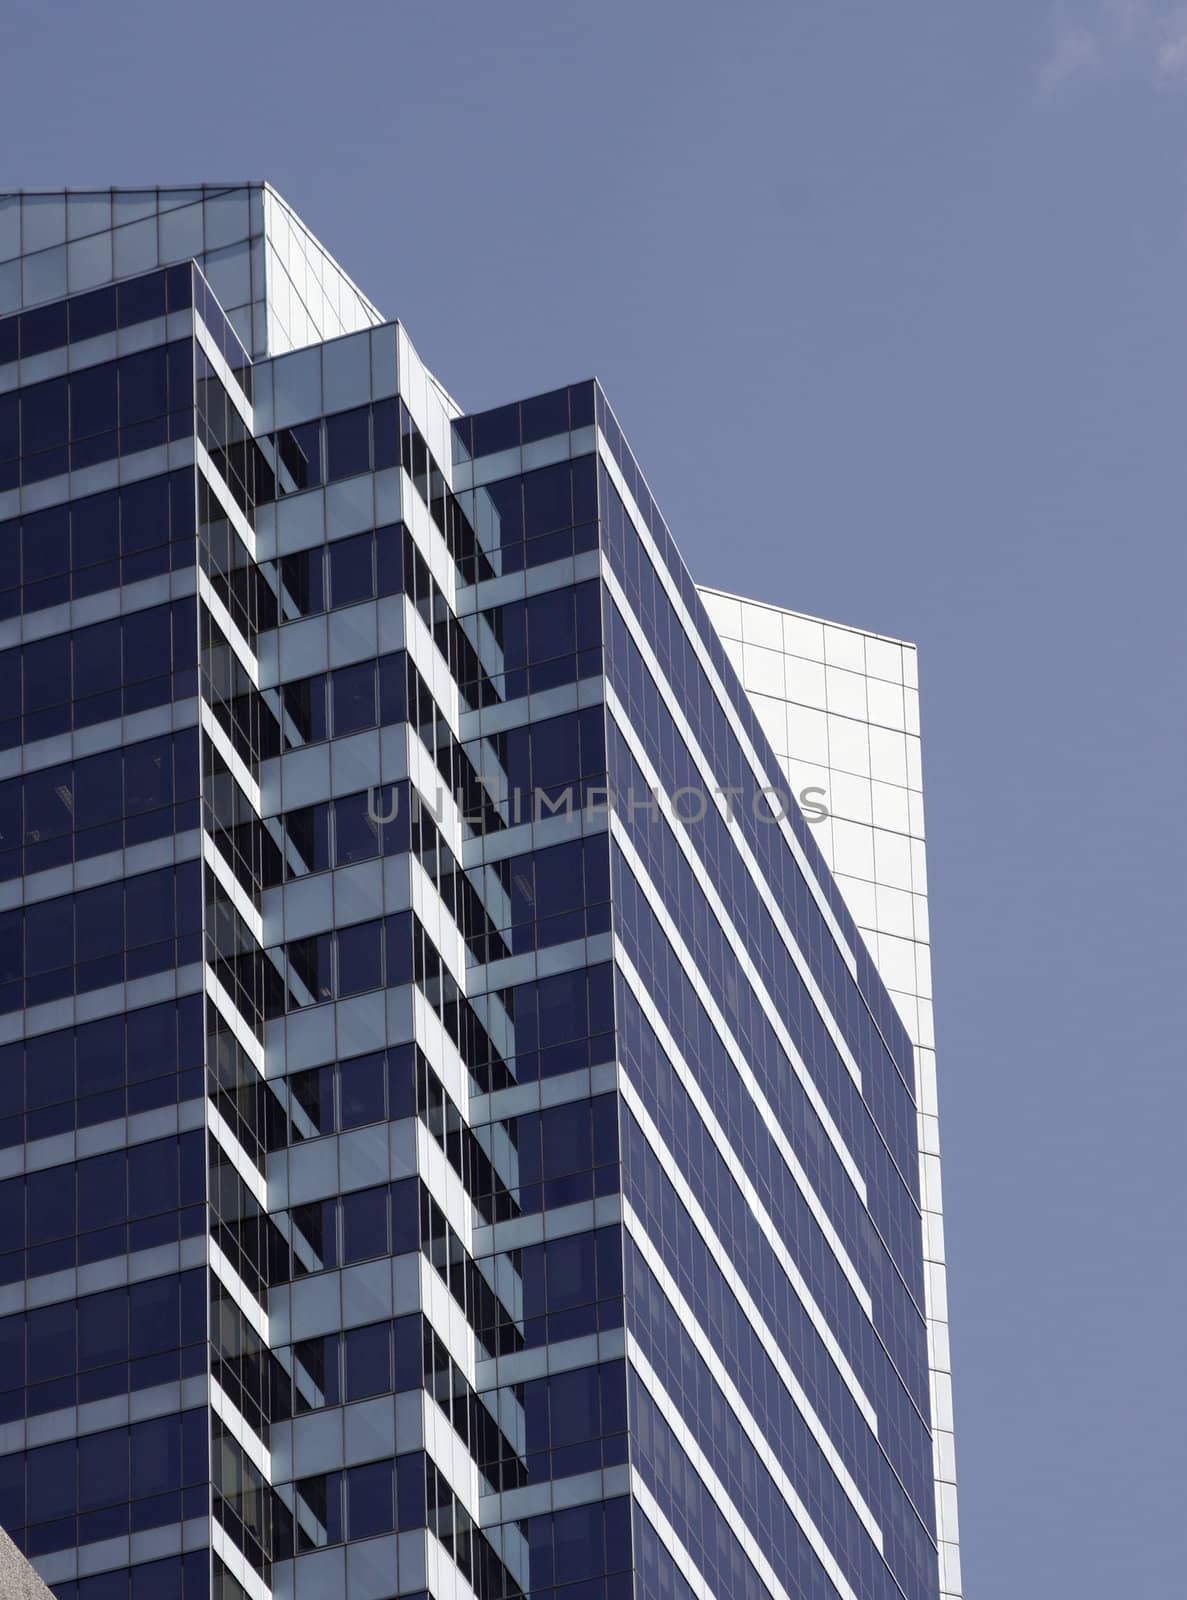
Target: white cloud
point(1172, 51)
point(1075, 53)
point(1106, 36)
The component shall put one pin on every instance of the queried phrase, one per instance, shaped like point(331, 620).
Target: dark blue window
point(152, 1177)
point(51, 1204)
point(156, 1457)
point(103, 1326)
point(51, 1481)
point(43, 329)
point(360, 958)
point(351, 574)
point(92, 314)
point(348, 443)
point(102, 1469)
point(363, 1085)
point(101, 1189)
point(143, 389)
point(370, 1504)
point(365, 1224)
point(93, 400)
point(44, 413)
point(51, 1341)
point(354, 698)
point(368, 1361)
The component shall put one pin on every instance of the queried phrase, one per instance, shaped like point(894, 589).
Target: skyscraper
point(457, 1138)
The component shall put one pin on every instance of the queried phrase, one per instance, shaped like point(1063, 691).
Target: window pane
point(368, 1361)
point(354, 698)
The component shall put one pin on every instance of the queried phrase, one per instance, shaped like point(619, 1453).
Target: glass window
point(303, 586)
point(496, 430)
point(102, 1469)
point(10, 432)
point(102, 1328)
point(101, 1181)
point(308, 838)
point(152, 1178)
point(363, 1082)
point(299, 454)
point(319, 1510)
point(368, 1361)
point(94, 529)
point(49, 935)
point(575, 1406)
point(351, 576)
point(356, 836)
point(49, 804)
point(312, 1102)
point(393, 686)
point(12, 1351)
point(571, 1271)
point(410, 1492)
point(156, 1457)
point(51, 1341)
point(370, 1505)
point(315, 1242)
point(409, 1349)
point(502, 503)
point(385, 426)
point(348, 443)
point(147, 643)
point(309, 966)
point(51, 1481)
point(305, 711)
point(92, 400)
point(144, 514)
point(149, 907)
point(354, 698)
point(545, 415)
point(141, 299)
point(46, 672)
point(546, 500)
point(43, 329)
point(10, 558)
point(45, 542)
point(360, 958)
point(315, 1373)
point(152, 1042)
point(12, 955)
point(44, 410)
point(153, 1308)
point(51, 1204)
point(148, 775)
point(12, 1214)
point(100, 921)
point(142, 386)
point(98, 657)
point(92, 314)
point(49, 1068)
point(389, 559)
point(364, 1225)
point(165, 1580)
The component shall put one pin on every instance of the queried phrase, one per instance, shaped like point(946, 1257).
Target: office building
point(460, 1134)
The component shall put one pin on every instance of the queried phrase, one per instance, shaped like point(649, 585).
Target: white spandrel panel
point(841, 709)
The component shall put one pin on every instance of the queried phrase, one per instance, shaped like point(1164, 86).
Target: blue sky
point(890, 301)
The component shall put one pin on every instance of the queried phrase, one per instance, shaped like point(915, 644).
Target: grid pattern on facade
point(431, 1162)
point(841, 708)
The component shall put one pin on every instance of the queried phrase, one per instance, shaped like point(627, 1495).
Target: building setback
point(457, 1134)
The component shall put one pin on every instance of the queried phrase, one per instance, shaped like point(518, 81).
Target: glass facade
point(453, 1135)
